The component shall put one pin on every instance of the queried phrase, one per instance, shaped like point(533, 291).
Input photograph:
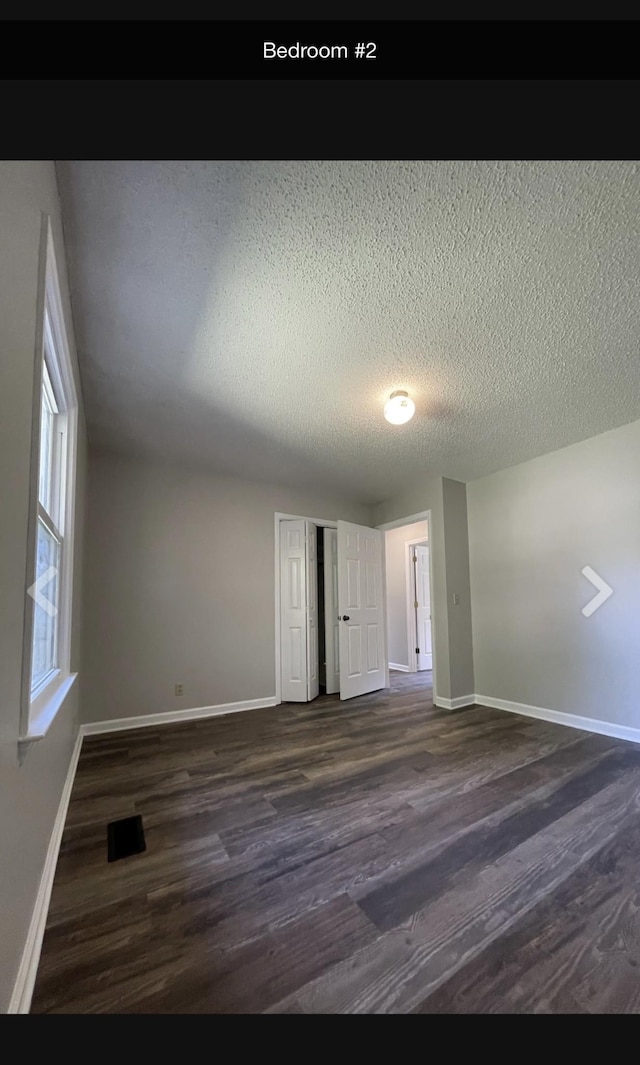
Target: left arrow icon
point(604, 591)
point(36, 589)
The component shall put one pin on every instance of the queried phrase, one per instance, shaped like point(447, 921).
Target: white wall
point(396, 578)
point(180, 585)
point(532, 529)
point(29, 793)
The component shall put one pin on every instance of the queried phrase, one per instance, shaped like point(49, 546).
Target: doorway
point(420, 650)
point(328, 573)
point(408, 579)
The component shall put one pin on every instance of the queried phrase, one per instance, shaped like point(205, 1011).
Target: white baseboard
point(396, 665)
point(26, 978)
point(119, 724)
point(560, 717)
point(454, 704)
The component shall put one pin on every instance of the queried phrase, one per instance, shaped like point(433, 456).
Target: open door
point(423, 607)
point(331, 623)
point(313, 677)
point(360, 610)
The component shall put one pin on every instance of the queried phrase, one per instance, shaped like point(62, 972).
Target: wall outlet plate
point(179, 689)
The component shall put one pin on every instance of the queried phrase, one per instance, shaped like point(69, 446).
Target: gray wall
point(456, 538)
point(451, 640)
point(532, 529)
point(180, 586)
point(29, 794)
point(396, 580)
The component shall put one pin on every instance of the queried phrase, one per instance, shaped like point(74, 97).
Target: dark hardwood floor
point(372, 856)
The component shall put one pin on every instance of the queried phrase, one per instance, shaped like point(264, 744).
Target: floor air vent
point(125, 837)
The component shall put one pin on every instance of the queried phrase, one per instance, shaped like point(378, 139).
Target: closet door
point(331, 623)
point(360, 610)
point(293, 612)
point(313, 676)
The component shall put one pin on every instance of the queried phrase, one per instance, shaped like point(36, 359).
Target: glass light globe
point(399, 408)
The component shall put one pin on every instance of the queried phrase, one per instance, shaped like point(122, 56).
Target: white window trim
point(39, 708)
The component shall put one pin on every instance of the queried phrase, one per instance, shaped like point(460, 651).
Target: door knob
point(345, 617)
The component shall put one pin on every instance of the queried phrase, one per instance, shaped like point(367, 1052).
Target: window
point(48, 647)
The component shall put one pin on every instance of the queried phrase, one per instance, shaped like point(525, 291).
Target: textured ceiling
point(253, 316)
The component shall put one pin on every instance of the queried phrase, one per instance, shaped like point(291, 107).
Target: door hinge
point(416, 604)
point(415, 558)
point(417, 650)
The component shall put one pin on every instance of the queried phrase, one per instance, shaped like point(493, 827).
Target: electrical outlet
point(179, 689)
point(456, 599)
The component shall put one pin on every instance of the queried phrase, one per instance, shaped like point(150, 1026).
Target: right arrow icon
point(604, 591)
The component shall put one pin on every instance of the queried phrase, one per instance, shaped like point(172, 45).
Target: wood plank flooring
point(366, 857)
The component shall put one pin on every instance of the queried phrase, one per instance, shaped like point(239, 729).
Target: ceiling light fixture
point(399, 408)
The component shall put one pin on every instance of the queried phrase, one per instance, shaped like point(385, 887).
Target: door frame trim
point(277, 518)
point(397, 523)
point(412, 635)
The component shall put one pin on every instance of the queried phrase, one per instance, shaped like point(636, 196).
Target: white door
point(360, 610)
point(331, 623)
point(313, 678)
point(423, 608)
point(293, 612)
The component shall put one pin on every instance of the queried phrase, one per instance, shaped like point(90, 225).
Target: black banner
point(316, 50)
point(310, 89)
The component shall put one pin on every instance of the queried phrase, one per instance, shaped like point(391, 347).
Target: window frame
point(41, 703)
